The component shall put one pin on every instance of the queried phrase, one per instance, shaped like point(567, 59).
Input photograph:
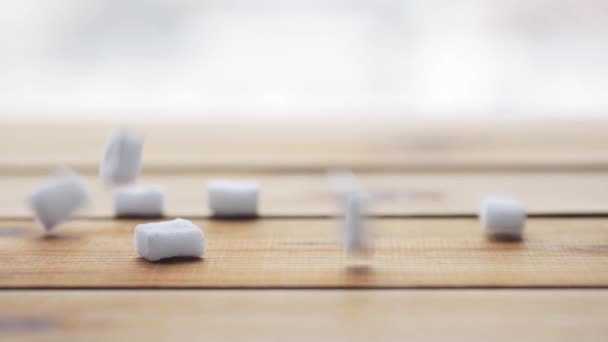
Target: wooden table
point(282, 276)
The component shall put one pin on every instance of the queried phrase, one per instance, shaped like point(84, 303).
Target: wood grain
point(308, 194)
point(305, 253)
point(295, 244)
point(407, 146)
point(414, 315)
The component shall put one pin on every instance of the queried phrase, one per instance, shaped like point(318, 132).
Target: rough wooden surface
point(308, 194)
point(509, 145)
point(305, 253)
point(415, 315)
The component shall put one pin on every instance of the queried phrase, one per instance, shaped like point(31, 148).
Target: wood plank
point(414, 315)
point(308, 194)
point(415, 145)
point(305, 253)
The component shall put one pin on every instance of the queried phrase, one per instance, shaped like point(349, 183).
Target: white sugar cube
point(502, 217)
point(233, 198)
point(160, 240)
point(56, 200)
point(139, 201)
point(356, 239)
point(121, 162)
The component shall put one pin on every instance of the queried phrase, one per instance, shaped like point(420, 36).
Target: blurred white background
point(302, 60)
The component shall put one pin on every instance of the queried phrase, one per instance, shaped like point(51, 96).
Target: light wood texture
point(308, 194)
point(415, 315)
point(305, 253)
point(569, 160)
point(412, 145)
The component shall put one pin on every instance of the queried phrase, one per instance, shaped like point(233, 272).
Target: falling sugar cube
point(56, 200)
point(122, 157)
point(502, 217)
point(167, 239)
point(233, 198)
point(356, 239)
point(139, 201)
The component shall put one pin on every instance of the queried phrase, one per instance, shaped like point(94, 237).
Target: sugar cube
point(167, 239)
point(233, 198)
point(139, 201)
point(356, 239)
point(502, 217)
point(121, 161)
point(57, 199)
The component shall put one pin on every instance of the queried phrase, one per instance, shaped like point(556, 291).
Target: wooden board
point(409, 146)
point(308, 194)
point(393, 315)
point(305, 253)
point(447, 167)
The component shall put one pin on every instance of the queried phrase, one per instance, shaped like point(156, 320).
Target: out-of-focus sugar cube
point(121, 161)
point(356, 238)
point(502, 217)
point(233, 198)
point(55, 200)
point(139, 201)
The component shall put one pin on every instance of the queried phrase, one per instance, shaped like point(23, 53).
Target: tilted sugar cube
point(167, 239)
point(139, 201)
point(502, 217)
point(57, 199)
point(121, 161)
point(233, 198)
point(356, 240)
